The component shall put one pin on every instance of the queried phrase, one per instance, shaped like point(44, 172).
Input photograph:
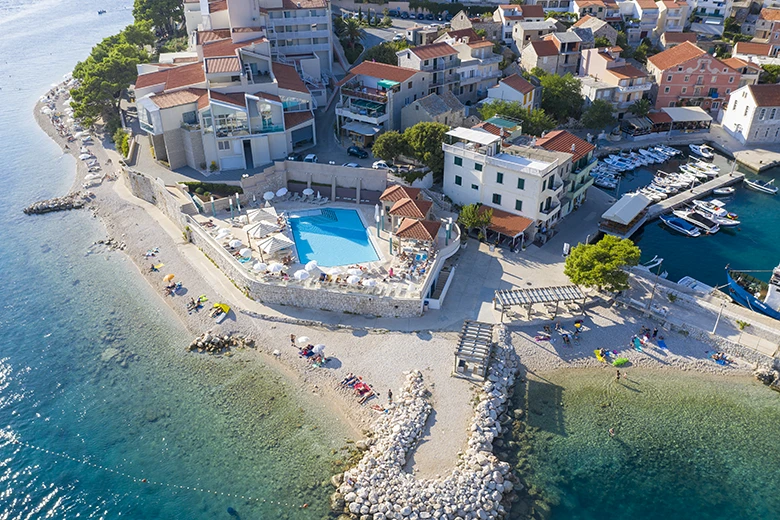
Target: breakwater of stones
point(479, 488)
point(211, 343)
point(76, 200)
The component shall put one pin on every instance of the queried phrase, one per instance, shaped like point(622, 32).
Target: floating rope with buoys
point(13, 440)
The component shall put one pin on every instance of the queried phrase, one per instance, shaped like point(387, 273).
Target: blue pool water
point(332, 237)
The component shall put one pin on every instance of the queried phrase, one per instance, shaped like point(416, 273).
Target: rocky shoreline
point(211, 343)
point(75, 200)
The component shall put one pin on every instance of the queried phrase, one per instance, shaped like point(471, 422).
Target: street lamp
point(717, 320)
point(652, 295)
point(231, 208)
point(238, 203)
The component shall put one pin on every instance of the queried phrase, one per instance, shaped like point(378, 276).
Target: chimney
point(573, 147)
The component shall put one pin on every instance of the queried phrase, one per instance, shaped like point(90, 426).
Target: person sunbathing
point(366, 397)
point(350, 377)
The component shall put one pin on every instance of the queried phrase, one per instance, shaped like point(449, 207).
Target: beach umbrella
point(235, 243)
point(370, 283)
point(303, 339)
point(85, 156)
point(318, 349)
point(260, 267)
point(376, 212)
point(276, 267)
point(352, 280)
point(301, 275)
point(168, 277)
point(268, 195)
point(222, 233)
point(335, 271)
point(261, 228)
point(274, 243)
point(355, 272)
point(318, 194)
point(246, 252)
point(281, 192)
point(308, 191)
point(311, 265)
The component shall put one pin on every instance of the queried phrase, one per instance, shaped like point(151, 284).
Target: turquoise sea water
point(754, 245)
point(685, 445)
point(332, 237)
point(92, 363)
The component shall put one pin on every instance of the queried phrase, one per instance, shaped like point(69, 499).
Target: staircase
point(438, 200)
point(441, 281)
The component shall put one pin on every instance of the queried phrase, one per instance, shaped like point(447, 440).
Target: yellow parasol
point(225, 308)
point(168, 277)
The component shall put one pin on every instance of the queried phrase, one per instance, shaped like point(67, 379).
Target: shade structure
point(308, 191)
point(311, 265)
point(318, 349)
point(262, 214)
point(235, 243)
point(260, 267)
point(261, 229)
point(355, 272)
point(276, 267)
point(352, 280)
point(370, 283)
point(168, 277)
point(303, 339)
point(274, 243)
point(268, 195)
point(246, 252)
point(222, 233)
point(335, 271)
point(281, 192)
point(301, 275)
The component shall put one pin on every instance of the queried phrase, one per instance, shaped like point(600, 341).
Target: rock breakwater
point(76, 200)
point(378, 488)
point(211, 343)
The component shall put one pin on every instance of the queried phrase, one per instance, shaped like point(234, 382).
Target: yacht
point(762, 186)
point(757, 295)
point(713, 207)
point(697, 219)
point(680, 225)
point(702, 150)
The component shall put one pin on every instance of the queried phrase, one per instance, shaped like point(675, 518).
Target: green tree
point(640, 107)
point(602, 264)
point(165, 15)
point(385, 52)
point(352, 31)
point(390, 145)
point(473, 216)
point(538, 72)
point(601, 41)
point(769, 74)
point(139, 34)
point(424, 140)
point(535, 122)
point(482, 33)
point(561, 96)
point(598, 115)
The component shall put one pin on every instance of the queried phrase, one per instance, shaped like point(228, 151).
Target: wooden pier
point(685, 197)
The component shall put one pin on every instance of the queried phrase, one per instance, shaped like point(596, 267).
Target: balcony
point(366, 116)
point(635, 88)
point(371, 94)
point(190, 127)
point(552, 209)
point(299, 20)
point(480, 77)
point(294, 35)
point(444, 79)
point(302, 48)
point(267, 129)
point(439, 65)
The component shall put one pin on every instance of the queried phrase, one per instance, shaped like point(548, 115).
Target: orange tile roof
point(180, 97)
point(236, 99)
point(265, 95)
point(247, 29)
point(768, 14)
point(518, 83)
point(433, 50)
point(562, 141)
point(646, 4)
point(469, 33)
point(293, 119)
point(222, 65)
point(383, 71)
point(212, 36)
point(736, 63)
point(411, 208)
point(545, 48)
point(302, 4)
point(397, 192)
point(174, 77)
point(424, 230)
point(508, 224)
point(582, 21)
point(188, 59)
point(760, 49)
point(287, 78)
point(218, 5)
point(676, 55)
point(480, 43)
point(627, 71)
point(491, 128)
point(151, 78)
point(679, 37)
point(766, 95)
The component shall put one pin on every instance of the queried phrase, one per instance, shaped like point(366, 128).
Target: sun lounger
point(296, 197)
point(323, 200)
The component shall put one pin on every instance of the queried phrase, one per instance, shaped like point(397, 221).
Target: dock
point(702, 190)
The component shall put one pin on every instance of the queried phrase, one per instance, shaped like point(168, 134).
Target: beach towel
point(662, 344)
point(637, 344)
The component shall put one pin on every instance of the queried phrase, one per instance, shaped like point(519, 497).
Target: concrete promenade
point(687, 196)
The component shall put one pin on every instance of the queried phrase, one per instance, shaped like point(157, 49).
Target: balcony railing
point(635, 88)
point(377, 119)
point(441, 65)
point(299, 20)
point(553, 207)
point(368, 93)
point(267, 129)
point(227, 131)
point(189, 126)
point(444, 79)
point(498, 162)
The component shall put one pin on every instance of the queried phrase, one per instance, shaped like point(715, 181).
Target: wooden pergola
point(475, 346)
point(506, 299)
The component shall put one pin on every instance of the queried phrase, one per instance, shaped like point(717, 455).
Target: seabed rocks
point(216, 344)
point(378, 488)
point(75, 200)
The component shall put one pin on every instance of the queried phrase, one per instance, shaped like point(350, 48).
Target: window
point(687, 78)
point(671, 103)
point(772, 113)
point(669, 78)
point(684, 90)
point(714, 79)
point(544, 184)
point(426, 62)
point(666, 90)
point(679, 69)
point(458, 161)
point(458, 180)
point(762, 114)
point(735, 105)
point(520, 184)
point(223, 145)
point(746, 111)
point(477, 166)
point(499, 178)
point(496, 199)
point(519, 205)
point(715, 105)
point(728, 91)
point(409, 85)
point(731, 79)
point(474, 187)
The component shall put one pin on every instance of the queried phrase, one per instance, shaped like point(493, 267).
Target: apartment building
point(711, 11)
point(576, 177)
point(641, 19)
point(478, 68)
point(439, 60)
point(749, 72)
point(372, 96)
point(759, 53)
point(599, 28)
point(624, 83)
point(670, 39)
point(511, 14)
point(557, 53)
point(607, 10)
point(524, 33)
point(753, 114)
point(445, 109)
point(493, 30)
point(558, 6)
point(685, 75)
point(768, 30)
point(517, 89)
point(672, 16)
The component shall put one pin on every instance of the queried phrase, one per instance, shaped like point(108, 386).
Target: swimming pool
point(331, 237)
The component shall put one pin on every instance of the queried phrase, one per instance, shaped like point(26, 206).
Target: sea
point(112, 418)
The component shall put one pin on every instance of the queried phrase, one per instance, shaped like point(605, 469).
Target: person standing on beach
point(292, 340)
point(655, 332)
point(390, 396)
point(617, 376)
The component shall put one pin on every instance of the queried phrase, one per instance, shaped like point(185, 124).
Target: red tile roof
point(287, 78)
point(627, 71)
point(582, 21)
point(265, 95)
point(760, 49)
point(562, 141)
point(180, 97)
point(671, 37)
point(508, 224)
point(518, 83)
point(383, 71)
point(222, 65)
point(675, 56)
point(247, 29)
point(218, 5)
point(469, 33)
point(397, 192)
point(736, 63)
point(545, 48)
point(236, 99)
point(212, 36)
point(768, 14)
point(174, 77)
point(411, 208)
point(766, 95)
point(433, 50)
point(646, 4)
point(151, 78)
point(188, 59)
point(491, 128)
point(293, 119)
point(424, 230)
point(302, 4)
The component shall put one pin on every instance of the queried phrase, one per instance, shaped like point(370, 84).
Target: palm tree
point(640, 108)
point(353, 31)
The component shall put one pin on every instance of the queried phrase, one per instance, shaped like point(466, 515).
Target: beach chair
point(296, 197)
point(323, 200)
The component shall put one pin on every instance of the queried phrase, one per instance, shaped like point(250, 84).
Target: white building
point(753, 114)
point(510, 14)
point(516, 88)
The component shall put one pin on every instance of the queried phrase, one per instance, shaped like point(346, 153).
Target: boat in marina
point(680, 225)
point(702, 150)
point(697, 219)
point(605, 181)
point(705, 166)
point(696, 171)
point(668, 150)
point(728, 190)
point(762, 186)
point(757, 295)
point(695, 285)
point(714, 207)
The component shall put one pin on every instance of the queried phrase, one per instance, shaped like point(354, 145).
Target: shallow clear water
point(685, 445)
point(92, 363)
point(332, 237)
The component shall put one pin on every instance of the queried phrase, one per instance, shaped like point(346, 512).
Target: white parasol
point(335, 271)
point(260, 267)
point(303, 339)
point(276, 267)
point(370, 283)
point(268, 195)
point(261, 229)
point(222, 233)
point(235, 243)
point(311, 265)
point(318, 349)
point(85, 156)
point(246, 252)
point(301, 275)
point(352, 280)
point(262, 214)
point(355, 271)
point(275, 243)
point(308, 191)
point(281, 192)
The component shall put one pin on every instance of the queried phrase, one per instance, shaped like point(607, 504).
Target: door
point(249, 161)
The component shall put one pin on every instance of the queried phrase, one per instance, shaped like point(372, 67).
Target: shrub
point(199, 190)
point(213, 166)
point(122, 141)
point(210, 188)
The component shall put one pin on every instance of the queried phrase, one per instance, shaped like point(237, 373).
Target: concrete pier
point(687, 196)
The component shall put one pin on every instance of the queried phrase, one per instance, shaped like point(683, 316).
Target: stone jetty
point(76, 200)
point(211, 343)
point(478, 488)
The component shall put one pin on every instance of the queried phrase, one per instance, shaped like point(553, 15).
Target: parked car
point(394, 12)
point(380, 165)
point(399, 37)
point(354, 151)
point(404, 15)
point(420, 16)
point(439, 17)
point(434, 26)
point(448, 18)
point(311, 158)
point(295, 157)
point(429, 16)
point(351, 165)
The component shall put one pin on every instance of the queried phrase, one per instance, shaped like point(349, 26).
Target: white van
point(311, 158)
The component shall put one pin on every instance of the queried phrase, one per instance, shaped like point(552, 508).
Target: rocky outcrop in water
point(211, 343)
point(67, 202)
point(379, 489)
point(766, 375)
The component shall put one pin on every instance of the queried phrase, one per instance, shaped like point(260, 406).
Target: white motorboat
point(605, 182)
point(695, 285)
point(728, 190)
point(668, 150)
point(655, 196)
point(680, 225)
point(697, 219)
point(641, 159)
point(687, 168)
point(618, 163)
point(655, 156)
point(708, 167)
point(702, 150)
point(762, 186)
point(714, 208)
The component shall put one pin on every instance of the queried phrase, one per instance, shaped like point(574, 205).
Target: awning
point(386, 83)
point(362, 128)
point(477, 136)
point(687, 114)
point(508, 224)
point(627, 208)
point(659, 118)
point(275, 243)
